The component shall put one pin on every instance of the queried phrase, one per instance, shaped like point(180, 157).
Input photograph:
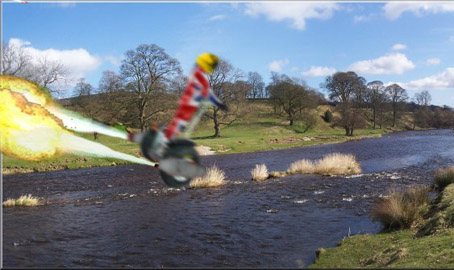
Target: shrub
point(401, 210)
point(336, 163)
point(259, 173)
point(24, 200)
point(301, 166)
point(214, 177)
point(444, 177)
point(328, 117)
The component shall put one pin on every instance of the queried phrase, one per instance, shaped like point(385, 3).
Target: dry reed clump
point(401, 210)
point(337, 164)
point(443, 178)
point(301, 166)
point(214, 177)
point(24, 200)
point(259, 173)
point(277, 174)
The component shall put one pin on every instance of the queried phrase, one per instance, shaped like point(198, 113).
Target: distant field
point(258, 131)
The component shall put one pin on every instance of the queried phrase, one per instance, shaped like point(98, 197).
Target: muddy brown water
point(124, 216)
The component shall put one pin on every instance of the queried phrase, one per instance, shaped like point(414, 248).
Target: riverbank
point(243, 136)
point(429, 245)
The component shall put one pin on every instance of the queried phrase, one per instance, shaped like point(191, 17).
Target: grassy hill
point(259, 130)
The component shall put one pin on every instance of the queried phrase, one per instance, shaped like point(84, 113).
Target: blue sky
point(406, 42)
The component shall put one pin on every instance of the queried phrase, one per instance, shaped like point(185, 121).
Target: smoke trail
point(84, 147)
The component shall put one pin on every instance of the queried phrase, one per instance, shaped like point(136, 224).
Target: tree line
point(358, 102)
point(149, 82)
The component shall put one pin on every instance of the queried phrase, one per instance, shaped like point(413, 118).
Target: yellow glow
point(27, 130)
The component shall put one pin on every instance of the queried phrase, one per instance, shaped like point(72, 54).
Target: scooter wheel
point(184, 150)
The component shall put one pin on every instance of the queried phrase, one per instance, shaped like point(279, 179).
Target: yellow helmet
point(207, 61)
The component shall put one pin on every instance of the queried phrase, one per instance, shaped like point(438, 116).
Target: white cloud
point(277, 65)
point(296, 12)
point(441, 81)
point(393, 10)
point(78, 62)
point(319, 71)
point(399, 47)
point(396, 63)
point(433, 61)
point(114, 60)
point(217, 18)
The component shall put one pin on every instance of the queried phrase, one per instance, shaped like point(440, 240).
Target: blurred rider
point(197, 89)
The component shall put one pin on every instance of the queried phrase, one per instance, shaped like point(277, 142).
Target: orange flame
point(27, 130)
point(32, 125)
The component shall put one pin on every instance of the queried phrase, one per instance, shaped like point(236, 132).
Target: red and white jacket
point(197, 89)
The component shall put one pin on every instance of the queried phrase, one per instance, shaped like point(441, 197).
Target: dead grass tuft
point(301, 166)
point(214, 177)
point(277, 174)
point(443, 178)
point(24, 200)
point(259, 173)
point(337, 164)
point(401, 210)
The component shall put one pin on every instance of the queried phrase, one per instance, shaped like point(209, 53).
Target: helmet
point(207, 61)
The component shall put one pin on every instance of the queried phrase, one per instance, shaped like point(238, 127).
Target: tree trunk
point(141, 116)
point(347, 131)
point(394, 118)
point(374, 115)
point(291, 121)
point(217, 132)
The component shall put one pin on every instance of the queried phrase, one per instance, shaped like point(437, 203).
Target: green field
point(258, 131)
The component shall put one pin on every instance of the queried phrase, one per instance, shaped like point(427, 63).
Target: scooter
point(177, 159)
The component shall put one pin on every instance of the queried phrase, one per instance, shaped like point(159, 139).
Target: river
point(124, 216)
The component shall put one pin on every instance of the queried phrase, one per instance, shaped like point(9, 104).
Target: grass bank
point(260, 130)
point(428, 245)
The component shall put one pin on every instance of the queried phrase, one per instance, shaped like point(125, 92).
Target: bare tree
point(45, 72)
point(293, 98)
point(423, 98)
point(376, 97)
point(222, 81)
point(110, 82)
point(145, 71)
point(349, 90)
point(398, 96)
point(14, 60)
point(422, 116)
point(256, 85)
point(178, 84)
point(342, 86)
point(83, 88)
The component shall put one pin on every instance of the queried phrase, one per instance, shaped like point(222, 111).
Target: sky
point(410, 43)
